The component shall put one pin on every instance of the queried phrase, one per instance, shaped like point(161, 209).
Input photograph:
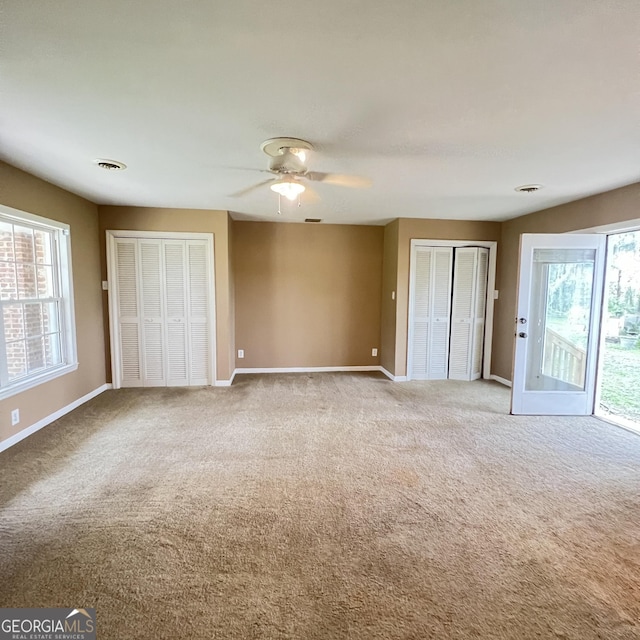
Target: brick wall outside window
point(30, 300)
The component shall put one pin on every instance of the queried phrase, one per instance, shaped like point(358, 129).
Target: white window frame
point(63, 273)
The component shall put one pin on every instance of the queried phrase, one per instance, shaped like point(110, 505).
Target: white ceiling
point(445, 106)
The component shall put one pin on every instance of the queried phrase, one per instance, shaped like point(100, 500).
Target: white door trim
point(111, 236)
point(555, 402)
point(491, 283)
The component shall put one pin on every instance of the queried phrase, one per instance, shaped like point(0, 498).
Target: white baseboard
point(226, 383)
point(504, 381)
point(306, 369)
point(392, 377)
point(21, 435)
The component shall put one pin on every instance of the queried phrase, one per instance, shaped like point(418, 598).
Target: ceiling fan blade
point(310, 195)
point(340, 180)
point(248, 190)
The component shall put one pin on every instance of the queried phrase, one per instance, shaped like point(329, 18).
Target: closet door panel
point(480, 309)
point(151, 288)
point(421, 319)
point(419, 352)
point(128, 312)
point(175, 304)
point(198, 313)
point(441, 314)
point(462, 313)
point(163, 307)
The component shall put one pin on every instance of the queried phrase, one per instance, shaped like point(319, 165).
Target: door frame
point(609, 230)
point(111, 236)
point(522, 400)
point(491, 294)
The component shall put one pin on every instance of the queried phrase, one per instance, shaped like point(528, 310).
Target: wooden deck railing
point(563, 359)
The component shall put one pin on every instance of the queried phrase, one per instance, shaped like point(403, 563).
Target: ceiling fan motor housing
point(288, 162)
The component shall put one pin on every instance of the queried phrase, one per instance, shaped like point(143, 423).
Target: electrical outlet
point(240, 353)
point(105, 285)
point(15, 417)
point(374, 352)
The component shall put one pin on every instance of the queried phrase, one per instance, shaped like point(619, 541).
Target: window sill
point(47, 376)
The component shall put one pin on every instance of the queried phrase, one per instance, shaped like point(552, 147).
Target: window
point(37, 334)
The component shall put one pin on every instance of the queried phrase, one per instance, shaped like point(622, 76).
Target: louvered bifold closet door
point(126, 257)
point(421, 316)
point(153, 330)
point(175, 286)
point(463, 313)
point(482, 273)
point(198, 312)
point(441, 313)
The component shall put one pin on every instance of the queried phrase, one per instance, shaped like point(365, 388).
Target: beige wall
point(409, 229)
point(181, 220)
point(27, 193)
point(617, 206)
point(389, 286)
point(307, 295)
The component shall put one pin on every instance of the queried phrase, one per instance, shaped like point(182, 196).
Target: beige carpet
point(325, 506)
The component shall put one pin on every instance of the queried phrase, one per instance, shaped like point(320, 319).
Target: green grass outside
point(620, 394)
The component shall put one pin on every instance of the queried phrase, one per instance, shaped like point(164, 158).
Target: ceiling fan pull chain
point(279, 212)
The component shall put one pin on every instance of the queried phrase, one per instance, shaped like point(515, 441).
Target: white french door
point(560, 292)
point(161, 310)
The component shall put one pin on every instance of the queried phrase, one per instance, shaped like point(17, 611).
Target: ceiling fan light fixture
point(290, 189)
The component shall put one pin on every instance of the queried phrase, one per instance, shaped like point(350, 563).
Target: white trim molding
point(21, 435)
point(305, 369)
point(504, 381)
point(226, 383)
point(392, 377)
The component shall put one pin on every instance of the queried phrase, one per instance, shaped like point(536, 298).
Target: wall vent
point(313, 219)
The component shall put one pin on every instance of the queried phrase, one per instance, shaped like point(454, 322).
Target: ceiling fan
point(288, 164)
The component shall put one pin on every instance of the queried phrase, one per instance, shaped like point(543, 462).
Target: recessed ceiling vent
point(111, 165)
point(529, 188)
point(313, 219)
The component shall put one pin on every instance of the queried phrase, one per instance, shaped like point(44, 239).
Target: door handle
point(522, 334)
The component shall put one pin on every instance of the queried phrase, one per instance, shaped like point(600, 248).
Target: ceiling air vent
point(313, 219)
point(529, 188)
point(110, 165)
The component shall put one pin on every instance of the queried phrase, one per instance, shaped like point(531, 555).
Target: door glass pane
point(560, 311)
